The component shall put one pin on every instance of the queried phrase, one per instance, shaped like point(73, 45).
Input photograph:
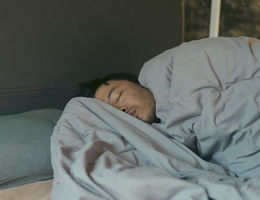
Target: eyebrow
point(110, 92)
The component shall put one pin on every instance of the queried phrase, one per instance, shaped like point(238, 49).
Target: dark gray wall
point(47, 47)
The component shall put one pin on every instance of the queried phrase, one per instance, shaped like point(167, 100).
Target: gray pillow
point(25, 146)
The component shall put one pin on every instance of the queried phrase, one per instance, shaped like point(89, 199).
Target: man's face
point(128, 97)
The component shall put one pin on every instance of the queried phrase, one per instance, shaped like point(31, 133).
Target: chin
point(149, 119)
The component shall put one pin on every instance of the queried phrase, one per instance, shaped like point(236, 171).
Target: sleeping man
point(189, 122)
point(205, 94)
point(123, 91)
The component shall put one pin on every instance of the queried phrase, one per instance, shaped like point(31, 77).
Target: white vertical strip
point(214, 18)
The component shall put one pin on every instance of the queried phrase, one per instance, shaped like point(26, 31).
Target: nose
point(124, 109)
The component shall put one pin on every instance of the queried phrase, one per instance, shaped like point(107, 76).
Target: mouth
point(132, 112)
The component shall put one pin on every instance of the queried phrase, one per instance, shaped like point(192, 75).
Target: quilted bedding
point(208, 94)
point(206, 146)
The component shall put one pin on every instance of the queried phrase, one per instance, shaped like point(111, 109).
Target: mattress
point(40, 190)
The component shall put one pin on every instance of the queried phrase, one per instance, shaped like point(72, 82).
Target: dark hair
point(89, 88)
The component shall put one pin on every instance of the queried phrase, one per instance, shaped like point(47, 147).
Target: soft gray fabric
point(24, 146)
point(100, 152)
point(208, 97)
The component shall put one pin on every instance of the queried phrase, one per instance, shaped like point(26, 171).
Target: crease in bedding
point(206, 147)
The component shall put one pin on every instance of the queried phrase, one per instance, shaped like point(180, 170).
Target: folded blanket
point(100, 152)
point(208, 97)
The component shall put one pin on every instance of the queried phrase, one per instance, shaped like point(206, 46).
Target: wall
point(48, 47)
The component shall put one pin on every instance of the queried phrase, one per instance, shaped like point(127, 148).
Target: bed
point(206, 146)
point(47, 48)
point(40, 190)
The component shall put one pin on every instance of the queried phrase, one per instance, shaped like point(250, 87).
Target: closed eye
point(120, 94)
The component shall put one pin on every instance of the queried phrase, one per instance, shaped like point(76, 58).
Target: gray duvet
point(206, 147)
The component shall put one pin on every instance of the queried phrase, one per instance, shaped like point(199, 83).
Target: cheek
point(129, 101)
point(135, 98)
